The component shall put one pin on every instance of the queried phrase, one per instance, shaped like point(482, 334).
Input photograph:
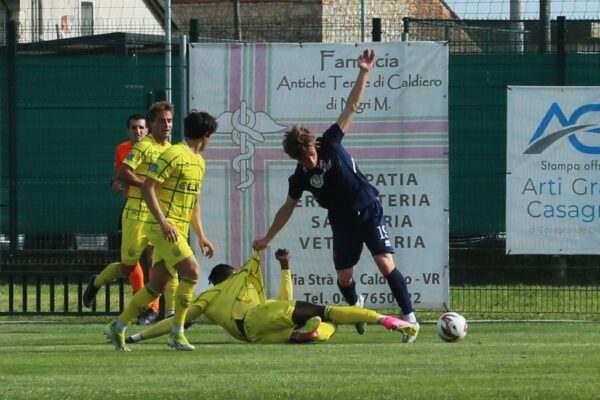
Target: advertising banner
point(553, 180)
point(398, 138)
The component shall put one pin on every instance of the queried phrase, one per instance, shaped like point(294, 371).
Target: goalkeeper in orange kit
point(136, 130)
point(133, 172)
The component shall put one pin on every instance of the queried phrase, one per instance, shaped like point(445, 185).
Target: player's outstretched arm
point(281, 218)
point(283, 256)
point(365, 63)
point(286, 288)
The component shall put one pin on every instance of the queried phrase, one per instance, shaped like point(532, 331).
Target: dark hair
point(198, 125)
point(219, 273)
point(135, 117)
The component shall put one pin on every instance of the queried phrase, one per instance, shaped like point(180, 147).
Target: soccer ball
point(452, 327)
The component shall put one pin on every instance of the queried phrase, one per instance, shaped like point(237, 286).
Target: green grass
point(500, 360)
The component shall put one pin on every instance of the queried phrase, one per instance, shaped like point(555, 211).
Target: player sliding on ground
point(237, 303)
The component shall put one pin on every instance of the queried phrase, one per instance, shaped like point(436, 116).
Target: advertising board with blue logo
point(553, 170)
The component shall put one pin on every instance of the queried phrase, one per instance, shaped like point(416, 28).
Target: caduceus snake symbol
point(243, 121)
point(246, 127)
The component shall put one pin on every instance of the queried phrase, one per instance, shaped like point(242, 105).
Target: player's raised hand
point(282, 255)
point(366, 60)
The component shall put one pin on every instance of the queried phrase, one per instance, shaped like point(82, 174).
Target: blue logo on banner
point(541, 140)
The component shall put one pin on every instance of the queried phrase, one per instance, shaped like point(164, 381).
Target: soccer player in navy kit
point(329, 173)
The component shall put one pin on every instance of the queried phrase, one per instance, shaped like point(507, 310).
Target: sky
point(500, 9)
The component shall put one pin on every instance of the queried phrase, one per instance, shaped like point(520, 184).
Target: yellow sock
point(184, 294)
point(350, 315)
point(169, 295)
point(137, 305)
point(110, 274)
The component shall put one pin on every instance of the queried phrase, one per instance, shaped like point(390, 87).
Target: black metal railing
point(55, 293)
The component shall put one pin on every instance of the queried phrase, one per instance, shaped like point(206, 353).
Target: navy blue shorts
point(352, 230)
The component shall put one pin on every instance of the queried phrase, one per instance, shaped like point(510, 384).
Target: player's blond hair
point(297, 141)
point(159, 107)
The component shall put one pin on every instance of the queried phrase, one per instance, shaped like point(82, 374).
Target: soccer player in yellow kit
point(238, 304)
point(133, 172)
point(171, 191)
point(136, 130)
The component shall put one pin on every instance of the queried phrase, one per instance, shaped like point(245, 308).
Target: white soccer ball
point(452, 327)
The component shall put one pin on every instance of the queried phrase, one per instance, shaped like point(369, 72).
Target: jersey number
point(382, 232)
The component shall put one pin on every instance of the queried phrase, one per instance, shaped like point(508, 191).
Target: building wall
point(349, 20)
point(261, 21)
point(430, 10)
point(306, 20)
point(62, 19)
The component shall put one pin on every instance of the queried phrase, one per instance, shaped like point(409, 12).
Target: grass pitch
point(58, 360)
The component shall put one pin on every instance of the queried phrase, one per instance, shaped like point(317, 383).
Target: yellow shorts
point(134, 240)
point(271, 322)
point(171, 253)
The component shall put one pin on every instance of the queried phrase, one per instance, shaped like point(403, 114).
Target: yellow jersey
point(142, 155)
point(180, 173)
point(231, 299)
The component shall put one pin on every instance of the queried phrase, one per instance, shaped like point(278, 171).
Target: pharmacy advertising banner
point(553, 179)
point(398, 138)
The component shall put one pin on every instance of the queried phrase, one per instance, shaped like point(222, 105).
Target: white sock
point(136, 337)
point(410, 318)
point(360, 302)
point(177, 329)
point(120, 326)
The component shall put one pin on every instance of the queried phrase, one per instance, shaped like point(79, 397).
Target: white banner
point(399, 139)
point(553, 180)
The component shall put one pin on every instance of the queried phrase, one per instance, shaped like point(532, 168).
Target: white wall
point(62, 19)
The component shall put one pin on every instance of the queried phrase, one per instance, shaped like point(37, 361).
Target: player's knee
point(344, 277)
point(385, 263)
point(345, 281)
point(189, 273)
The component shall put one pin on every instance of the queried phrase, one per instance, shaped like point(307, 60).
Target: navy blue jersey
point(336, 182)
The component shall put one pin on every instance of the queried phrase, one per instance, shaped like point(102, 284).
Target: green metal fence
point(63, 105)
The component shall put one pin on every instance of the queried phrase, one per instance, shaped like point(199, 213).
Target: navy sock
point(399, 290)
point(349, 292)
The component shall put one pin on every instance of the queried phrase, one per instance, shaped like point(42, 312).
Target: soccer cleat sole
point(411, 338)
